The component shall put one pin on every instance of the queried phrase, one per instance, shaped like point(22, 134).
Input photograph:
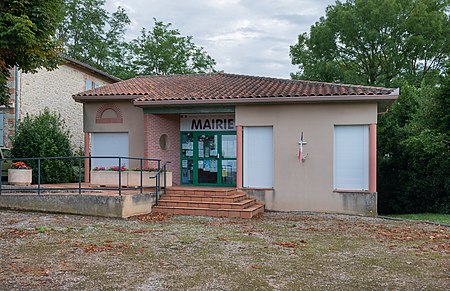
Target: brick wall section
point(154, 127)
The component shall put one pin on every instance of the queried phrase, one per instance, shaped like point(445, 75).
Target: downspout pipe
point(16, 96)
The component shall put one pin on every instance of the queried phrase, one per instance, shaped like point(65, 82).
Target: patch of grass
point(280, 251)
point(433, 217)
point(42, 229)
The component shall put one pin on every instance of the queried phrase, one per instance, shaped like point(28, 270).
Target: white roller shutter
point(351, 157)
point(258, 157)
point(109, 144)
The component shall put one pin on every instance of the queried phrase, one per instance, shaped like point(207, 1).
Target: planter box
point(135, 176)
point(108, 178)
point(129, 178)
point(21, 177)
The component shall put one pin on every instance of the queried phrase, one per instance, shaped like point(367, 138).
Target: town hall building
point(295, 145)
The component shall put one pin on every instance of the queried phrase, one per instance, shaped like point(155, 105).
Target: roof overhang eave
point(103, 98)
point(270, 100)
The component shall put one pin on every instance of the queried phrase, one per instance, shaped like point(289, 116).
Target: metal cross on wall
point(301, 156)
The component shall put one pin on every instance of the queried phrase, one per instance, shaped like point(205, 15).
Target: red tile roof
point(220, 86)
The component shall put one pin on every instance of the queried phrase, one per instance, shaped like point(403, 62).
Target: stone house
point(31, 93)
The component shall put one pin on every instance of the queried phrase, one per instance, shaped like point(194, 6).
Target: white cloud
point(243, 36)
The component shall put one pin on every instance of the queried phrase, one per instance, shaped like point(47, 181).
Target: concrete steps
point(208, 202)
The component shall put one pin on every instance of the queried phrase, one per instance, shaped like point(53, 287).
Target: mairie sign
point(223, 122)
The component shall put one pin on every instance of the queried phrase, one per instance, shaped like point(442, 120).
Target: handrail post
point(120, 177)
point(158, 177)
point(39, 176)
point(79, 176)
point(157, 188)
point(141, 175)
point(165, 183)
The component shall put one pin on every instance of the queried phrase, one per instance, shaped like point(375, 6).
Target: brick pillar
point(155, 126)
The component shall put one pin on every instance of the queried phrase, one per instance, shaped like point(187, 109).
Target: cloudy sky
point(249, 37)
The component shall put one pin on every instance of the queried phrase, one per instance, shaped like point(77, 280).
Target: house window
point(90, 84)
point(351, 157)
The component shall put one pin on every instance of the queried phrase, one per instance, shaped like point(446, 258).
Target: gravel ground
point(278, 251)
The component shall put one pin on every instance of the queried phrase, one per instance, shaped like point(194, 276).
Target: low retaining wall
point(95, 205)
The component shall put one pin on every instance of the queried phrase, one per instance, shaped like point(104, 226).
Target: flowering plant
point(20, 165)
point(146, 169)
point(116, 168)
point(112, 168)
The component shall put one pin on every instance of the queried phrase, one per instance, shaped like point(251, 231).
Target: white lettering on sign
point(207, 123)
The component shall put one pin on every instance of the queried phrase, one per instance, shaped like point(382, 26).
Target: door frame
point(195, 157)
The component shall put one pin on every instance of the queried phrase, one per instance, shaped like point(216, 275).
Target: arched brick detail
point(108, 106)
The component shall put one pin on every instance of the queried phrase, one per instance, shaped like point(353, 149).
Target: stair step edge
point(208, 202)
point(252, 208)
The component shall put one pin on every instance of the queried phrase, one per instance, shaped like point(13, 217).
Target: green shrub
point(45, 135)
point(414, 152)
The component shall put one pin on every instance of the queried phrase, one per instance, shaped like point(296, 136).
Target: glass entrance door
point(208, 158)
point(228, 159)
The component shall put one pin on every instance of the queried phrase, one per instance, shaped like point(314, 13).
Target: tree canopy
point(163, 50)
point(376, 42)
point(94, 36)
point(27, 30)
point(414, 152)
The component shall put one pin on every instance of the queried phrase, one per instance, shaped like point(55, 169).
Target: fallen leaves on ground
point(94, 248)
point(152, 217)
point(137, 231)
point(9, 233)
point(288, 244)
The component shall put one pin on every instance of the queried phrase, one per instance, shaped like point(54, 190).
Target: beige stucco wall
point(133, 124)
point(306, 186)
point(54, 89)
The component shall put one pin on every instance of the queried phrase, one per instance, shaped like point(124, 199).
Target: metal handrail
point(80, 158)
point(158, 182)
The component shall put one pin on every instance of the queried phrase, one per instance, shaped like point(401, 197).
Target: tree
point(45, 135)
point(376, 42)
point(118, 57)
point(163, 50)
point(414, 152)
point(26, 37)
point(90, 34)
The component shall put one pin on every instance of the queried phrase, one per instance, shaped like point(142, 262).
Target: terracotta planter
point(135, 176)
point(20, 177)
point(109, 178)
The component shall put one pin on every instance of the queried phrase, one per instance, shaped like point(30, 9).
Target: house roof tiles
point(222, 86)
